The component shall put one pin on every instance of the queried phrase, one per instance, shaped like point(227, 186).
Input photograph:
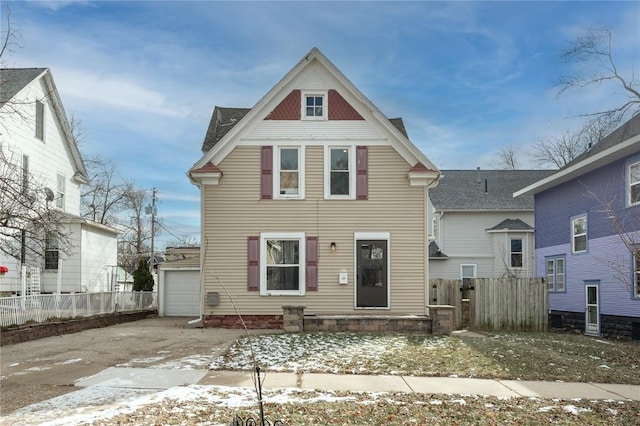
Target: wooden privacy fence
point(496, 304)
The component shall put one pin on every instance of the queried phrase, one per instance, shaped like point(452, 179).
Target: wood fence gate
point(495, 304)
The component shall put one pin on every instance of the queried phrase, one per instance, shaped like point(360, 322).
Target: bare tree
point(507, 158)
point(592, 51)
point(557, 151)
point(626, 224)
point(28, 217)
point(9, 36)
point(106, 195)
point(134, 241)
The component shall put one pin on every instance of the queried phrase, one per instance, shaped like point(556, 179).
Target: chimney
point(478, 179)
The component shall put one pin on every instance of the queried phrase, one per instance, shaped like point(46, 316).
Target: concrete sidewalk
point(144, 378)
point(427, 385)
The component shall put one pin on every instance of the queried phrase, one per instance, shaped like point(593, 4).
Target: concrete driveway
point(37, 370)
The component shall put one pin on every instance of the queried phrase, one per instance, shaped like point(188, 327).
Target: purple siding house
point(587, 242)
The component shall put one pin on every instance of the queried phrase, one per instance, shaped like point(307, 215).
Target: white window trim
point(586, 233)
point(631, 184)
point(42, 128)
point(325, 101)
point(554, 287)
point(635, 291)
point(300, 236)
point(276, 173)
point(60, 191)
point(352, 172)
point(475, 270)
point(522, 253)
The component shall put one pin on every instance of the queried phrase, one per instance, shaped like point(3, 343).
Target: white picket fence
point(38, 308)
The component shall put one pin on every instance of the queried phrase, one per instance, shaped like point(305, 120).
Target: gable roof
point(14, 80)
point(511, 225)
point(224, 144)
point(484, 189)
point(622, 142)
point(223, 119)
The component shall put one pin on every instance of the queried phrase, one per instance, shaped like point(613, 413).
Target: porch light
point(333, 246)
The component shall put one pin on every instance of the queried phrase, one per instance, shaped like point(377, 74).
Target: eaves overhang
point(621, 150)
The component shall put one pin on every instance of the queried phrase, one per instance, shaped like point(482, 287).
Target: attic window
point(314, 106)
point(40, 120)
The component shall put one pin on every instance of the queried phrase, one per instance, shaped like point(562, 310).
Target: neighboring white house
point(35, 131)
point(478, 229)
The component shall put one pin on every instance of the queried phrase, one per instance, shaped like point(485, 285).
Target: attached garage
point(180, 294)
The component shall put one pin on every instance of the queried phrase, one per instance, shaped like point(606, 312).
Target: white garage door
point(182, 293)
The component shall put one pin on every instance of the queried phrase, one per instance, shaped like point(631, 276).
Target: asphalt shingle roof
point(622, 133)
point(484, 189)
point(511, 225)
point(224, 119)
point(12, 80)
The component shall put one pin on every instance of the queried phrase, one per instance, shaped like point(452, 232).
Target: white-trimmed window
point(40, 120)
point(25, 173)
point(636, 273)
point(634, 184)
point(339, 176)
point(289, 172)
point(60, 192)
point(579, 234)
point(51, 253)
point(555, 274)
point(516, 254)
point(314, 106)
point(467, 273)
point(282, 263)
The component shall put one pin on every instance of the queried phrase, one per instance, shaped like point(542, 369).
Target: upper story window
point(579, 234)
point(555, 274)
point(40, 120)
point(634, 184)
point(339, 173)
point(289, 172)
point(283, 263)
point(60, 192)
point(25, 173)
point(314, 106)
point(516, 253)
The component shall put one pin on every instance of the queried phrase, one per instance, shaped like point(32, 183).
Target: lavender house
point(587, 242)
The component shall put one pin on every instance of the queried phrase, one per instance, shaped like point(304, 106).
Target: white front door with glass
point(592, 314)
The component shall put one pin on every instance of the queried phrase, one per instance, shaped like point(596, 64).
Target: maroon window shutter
point(311, 278)
point(362, 192)
point(266, 177)
point(253, 263)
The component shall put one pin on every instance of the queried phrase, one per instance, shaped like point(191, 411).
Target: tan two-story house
point(312, 198)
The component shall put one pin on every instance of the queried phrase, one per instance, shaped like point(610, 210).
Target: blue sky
point(467, 77)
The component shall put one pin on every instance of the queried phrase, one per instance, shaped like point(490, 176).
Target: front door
point(592, 320)
point(371, 289)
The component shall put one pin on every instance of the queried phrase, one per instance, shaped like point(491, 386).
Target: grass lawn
point(524, 356)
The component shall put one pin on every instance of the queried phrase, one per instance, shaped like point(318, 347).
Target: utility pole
point(152, 211)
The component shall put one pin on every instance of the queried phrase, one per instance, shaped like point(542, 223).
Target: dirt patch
point(14, 396)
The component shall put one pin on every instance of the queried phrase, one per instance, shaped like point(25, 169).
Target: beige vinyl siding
point(233, 211)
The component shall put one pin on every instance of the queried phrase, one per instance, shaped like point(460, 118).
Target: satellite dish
point(49, 194)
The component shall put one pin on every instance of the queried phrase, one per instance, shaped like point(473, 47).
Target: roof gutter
point(615, 152)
